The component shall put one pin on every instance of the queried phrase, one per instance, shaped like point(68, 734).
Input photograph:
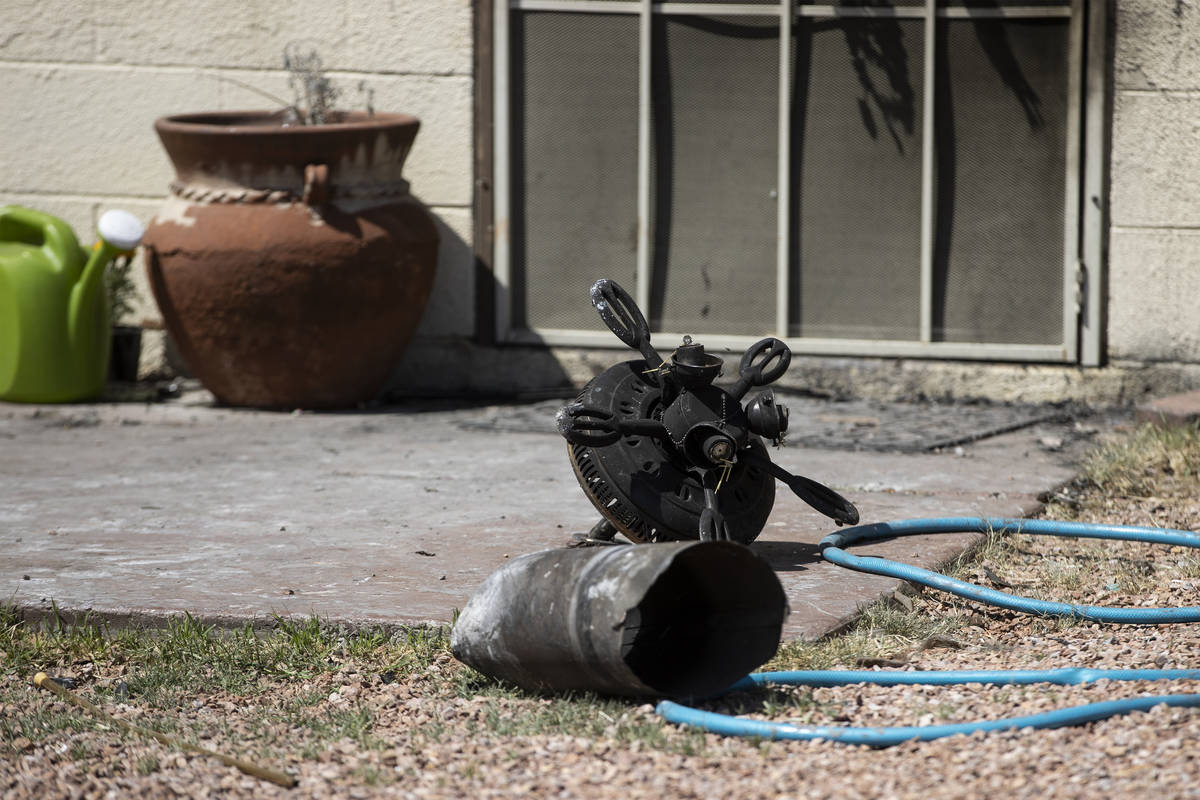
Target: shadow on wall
point(445, 360)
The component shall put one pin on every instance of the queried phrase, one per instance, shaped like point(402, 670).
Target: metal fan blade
point(623, 317)
point(817, 495)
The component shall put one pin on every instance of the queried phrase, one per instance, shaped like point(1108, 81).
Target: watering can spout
point(120, 232)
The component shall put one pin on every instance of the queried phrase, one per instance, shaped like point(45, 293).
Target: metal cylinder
point(681, 619)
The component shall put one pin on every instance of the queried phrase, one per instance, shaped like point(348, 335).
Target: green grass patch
point(189, 656)
point(159, 669)
point(882, 631)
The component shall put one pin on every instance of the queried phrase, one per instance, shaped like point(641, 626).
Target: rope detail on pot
point(243, 195)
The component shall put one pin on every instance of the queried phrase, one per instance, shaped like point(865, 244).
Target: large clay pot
point(290, 263)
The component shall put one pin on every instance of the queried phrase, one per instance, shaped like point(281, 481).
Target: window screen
point(574, 162)
point(856, 177)
point(1001, 145)
point(714, 172)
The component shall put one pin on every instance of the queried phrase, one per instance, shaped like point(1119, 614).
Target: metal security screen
point(1001, 148)
point(714, 173)
point(856, 136)
point(860, 178)
point(574, 161)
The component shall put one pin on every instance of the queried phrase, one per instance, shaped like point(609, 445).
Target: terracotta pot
point(291, 265)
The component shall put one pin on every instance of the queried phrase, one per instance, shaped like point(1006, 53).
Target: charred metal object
point(664, 454)
point(685, 619)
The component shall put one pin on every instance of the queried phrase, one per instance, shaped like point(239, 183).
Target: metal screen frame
point(1083, 221)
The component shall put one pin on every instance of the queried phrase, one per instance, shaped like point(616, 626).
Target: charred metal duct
point(680, 619)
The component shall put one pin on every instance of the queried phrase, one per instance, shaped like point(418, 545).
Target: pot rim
point(257, 122)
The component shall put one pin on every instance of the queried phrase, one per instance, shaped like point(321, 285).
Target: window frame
point(1086, 135)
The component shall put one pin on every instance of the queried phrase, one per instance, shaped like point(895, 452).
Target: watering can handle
point(49, 233)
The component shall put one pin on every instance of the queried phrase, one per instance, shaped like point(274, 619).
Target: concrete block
point(87, 130)
point(1178, 409)
point(211, 33)
point(1154, 289)
point(1156, 160)
point(47, 30)
point(152, 362)
point(451, 309)
point(416, 36)
point(1156, 45)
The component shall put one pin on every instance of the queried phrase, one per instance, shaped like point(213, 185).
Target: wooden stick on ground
point(44, 681)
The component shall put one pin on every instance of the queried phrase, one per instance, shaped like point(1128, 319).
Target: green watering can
point(55, 334)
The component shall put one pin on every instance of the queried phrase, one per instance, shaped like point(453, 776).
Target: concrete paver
point(136, 512)
point(1176, 409)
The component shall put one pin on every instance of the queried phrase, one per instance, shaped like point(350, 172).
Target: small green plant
point(121, 289)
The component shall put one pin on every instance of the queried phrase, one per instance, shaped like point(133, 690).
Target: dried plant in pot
point(290, 262)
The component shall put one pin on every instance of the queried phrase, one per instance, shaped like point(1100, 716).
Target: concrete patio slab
point(136, 512)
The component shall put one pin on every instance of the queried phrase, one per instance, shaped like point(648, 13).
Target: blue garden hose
point(832, 550)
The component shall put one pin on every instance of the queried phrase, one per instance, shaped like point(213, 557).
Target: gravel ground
point(443, 732)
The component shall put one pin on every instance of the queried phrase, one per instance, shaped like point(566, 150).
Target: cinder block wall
point(1154, 238)
point(83, 83)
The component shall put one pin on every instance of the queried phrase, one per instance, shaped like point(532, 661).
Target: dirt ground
point(358, 728)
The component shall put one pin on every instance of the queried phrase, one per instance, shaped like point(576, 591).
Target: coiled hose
point(832, 549)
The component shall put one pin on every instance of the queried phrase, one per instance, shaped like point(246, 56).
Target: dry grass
point(354, 713)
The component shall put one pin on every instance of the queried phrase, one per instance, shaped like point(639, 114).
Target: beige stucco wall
point(1154, 239)
point(83, 82)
